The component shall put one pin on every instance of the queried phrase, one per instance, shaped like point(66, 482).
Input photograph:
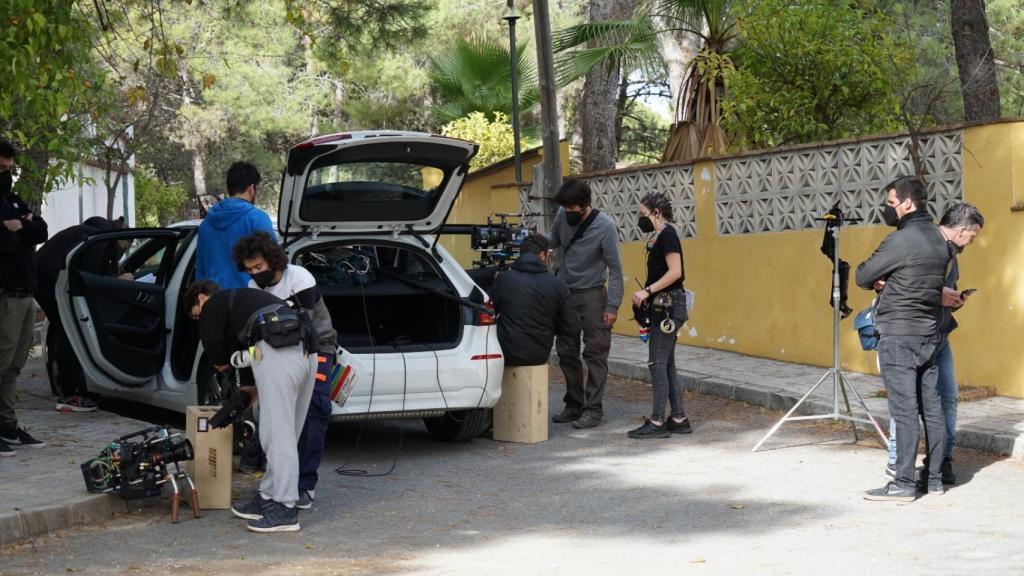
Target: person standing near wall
point(20, 231)
point(664, 297)
point(909, 267)
point(960, 225)
point(592, 268)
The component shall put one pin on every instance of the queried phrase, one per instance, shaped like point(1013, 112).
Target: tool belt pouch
point(278, 326)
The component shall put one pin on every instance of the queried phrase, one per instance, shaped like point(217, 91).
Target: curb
point(20, 525)
point(969, 437)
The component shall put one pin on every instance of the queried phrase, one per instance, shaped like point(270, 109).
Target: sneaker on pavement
point(76, 404)
point(566, 416)
point(586, 420)
point(649, 430)
point(682, 427)
point(6, 450)
point(891, 493)
point(276, 518)
point(890, 471)
point(250, 508)
point(305, 500)
point(948, 476)
point(20, 437)
point(931, 486)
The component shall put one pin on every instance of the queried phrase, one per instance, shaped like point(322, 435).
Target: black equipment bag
point(279, 325)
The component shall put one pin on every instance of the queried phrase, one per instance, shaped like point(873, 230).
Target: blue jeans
point(947, 394)
point(311, 440)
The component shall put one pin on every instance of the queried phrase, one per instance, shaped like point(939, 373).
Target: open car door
point(112, 303)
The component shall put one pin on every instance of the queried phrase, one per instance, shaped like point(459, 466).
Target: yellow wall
point(487, 194)
point(768, 294)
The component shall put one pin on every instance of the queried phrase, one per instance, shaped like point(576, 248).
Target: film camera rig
point(497, 241)
point(137, 465)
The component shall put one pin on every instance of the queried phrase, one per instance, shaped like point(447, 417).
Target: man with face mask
point(267, 263)
point(227, 222)
point(960, 225)
point(909, 268)
point(591, 267)
point(20, 231)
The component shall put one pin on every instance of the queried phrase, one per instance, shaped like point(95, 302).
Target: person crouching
point(284, 384)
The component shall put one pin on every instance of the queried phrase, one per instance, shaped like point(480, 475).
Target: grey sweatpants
point(284, 379)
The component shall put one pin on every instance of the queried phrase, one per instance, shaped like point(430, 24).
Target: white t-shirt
point(294, 280)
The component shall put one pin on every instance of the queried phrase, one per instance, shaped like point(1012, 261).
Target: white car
point(359, 210)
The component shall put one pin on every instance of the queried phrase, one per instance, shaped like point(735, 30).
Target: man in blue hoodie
point(227, 222)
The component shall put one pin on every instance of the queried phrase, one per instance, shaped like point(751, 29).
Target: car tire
point(459, 425)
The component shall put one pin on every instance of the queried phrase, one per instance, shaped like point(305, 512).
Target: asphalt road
point(587, 502)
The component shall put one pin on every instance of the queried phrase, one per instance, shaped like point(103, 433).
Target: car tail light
point(487, 318)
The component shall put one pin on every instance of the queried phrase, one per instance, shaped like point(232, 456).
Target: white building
point(85, 196)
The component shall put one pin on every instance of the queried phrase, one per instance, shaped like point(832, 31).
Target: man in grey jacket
point(910, 268)
point(589, 263)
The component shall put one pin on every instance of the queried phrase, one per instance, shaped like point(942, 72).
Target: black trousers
point(65, 371)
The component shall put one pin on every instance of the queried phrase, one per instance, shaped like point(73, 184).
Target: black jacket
point(914, 263)
point(18, 249)
point(533, 306)
point(220, 324)
point(52, 256)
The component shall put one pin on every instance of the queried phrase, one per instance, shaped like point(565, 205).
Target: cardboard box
point(211, 470)
point(521, 414)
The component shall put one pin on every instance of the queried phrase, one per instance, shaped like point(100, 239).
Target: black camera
point(136, 465)
point(498, 242)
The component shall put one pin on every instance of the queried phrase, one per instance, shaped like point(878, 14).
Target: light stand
point(513, 51)
point(840, 384)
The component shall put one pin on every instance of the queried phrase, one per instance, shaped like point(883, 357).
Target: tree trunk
point(620, 110)
point(111, 186)
point(975, 60)
point(600, 93)
point(199, 177)
point(677, 49)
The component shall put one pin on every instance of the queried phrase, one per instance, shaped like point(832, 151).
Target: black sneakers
point(566, 416)
point(931, 486)
point(276, 518)
point(586, 420)
point(6, 450)
point(948, 477)
point(679, 427)
point(649, 430)
point(891, 493)
point(20, 437)
point(251, 508)
point(305, 500)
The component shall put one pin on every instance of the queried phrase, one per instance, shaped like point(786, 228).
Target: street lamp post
point(514, 60)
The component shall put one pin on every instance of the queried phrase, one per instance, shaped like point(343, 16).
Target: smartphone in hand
point(967, 292)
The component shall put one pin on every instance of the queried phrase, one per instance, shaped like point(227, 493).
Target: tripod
point(834, 221)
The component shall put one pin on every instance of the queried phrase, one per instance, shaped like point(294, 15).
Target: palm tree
point(476, 77)
point(697, 129)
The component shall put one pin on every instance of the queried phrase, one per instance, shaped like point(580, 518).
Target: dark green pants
point(17, 318)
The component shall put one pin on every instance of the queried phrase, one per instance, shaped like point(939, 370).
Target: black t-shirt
point(220, 324)
point(666, 242)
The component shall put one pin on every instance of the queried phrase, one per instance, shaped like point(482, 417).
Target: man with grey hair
point(960, 225)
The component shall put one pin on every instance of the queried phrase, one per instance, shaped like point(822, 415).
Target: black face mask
point(264, 279)
point(645, 224)
point(573, 218)
point(6, 182)
point(889, 216)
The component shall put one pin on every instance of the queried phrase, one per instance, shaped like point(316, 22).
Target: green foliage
point(495, 138)
point(644, 133)
point(45, 88)
point(1006, 21)
point(476, 76)
point(713, 21)
point(811, 71)
point(157, 203)
point(628, 44)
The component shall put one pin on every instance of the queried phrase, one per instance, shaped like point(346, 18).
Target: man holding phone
point(960, 225)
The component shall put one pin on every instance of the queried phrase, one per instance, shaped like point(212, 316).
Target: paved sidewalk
point(993, 424)
point(42, 490)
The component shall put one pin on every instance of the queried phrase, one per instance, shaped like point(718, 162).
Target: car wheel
point(459, 425)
